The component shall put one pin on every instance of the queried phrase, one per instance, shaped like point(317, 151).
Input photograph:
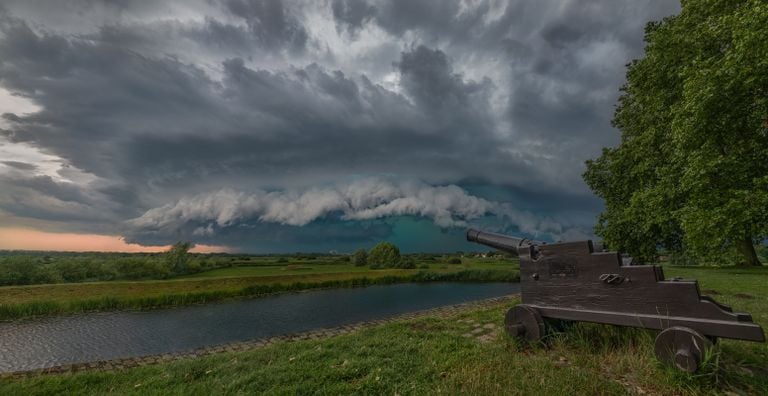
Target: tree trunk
point(748, 254)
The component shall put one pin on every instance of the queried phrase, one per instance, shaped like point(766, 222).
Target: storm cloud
point(446, 206)
point(237, 121)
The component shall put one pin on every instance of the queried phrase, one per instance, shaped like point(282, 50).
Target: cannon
point(579, 281)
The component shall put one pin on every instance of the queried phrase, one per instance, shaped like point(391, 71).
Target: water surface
point(52, 341)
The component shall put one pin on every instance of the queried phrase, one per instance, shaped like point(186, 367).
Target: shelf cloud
point(228, 121)
point(370, 199)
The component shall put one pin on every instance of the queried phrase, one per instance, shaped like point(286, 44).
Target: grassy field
point(308, 267)
point(248, 271)
point(434, 355)
point(237, 281)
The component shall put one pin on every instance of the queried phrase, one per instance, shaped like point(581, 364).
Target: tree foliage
point(177, 257)
point(384, 254)
point(59, 267)
point(360, 258)
point(691, 172)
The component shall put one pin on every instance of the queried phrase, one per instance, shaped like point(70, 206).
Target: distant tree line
point(387, 255)
point(27, 269)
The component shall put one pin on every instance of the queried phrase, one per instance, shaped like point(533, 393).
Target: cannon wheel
point(524, 322)
point(682, 347)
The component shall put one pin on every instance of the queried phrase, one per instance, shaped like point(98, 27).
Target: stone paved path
point(119, 364)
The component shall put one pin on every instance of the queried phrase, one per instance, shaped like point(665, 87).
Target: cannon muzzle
point(503, 242)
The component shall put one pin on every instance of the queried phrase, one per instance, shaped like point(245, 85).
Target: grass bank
point(466, 354)
point(25, 301)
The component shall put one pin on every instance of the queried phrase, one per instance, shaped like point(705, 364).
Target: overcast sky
point(274, 125)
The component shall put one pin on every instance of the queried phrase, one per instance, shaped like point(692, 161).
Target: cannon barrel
point(502, 242)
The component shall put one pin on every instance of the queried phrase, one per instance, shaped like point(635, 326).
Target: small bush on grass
point(384, 254)
point(406, 263)
point(360, 258)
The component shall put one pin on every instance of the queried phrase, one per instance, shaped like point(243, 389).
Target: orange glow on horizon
point(26, 239)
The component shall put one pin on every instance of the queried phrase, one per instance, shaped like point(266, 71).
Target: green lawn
point(433, 355)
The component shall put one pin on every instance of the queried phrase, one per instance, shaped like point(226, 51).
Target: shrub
point(177, 257)
point(384, 254)
point(193, 266)
point(454, 260)
point(15, 271)
point(406, 264)
point(72, 270)
point(360, 258)
point(46, 274)
point(60, 267)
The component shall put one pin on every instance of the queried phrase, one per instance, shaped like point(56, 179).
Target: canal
point(52, 341)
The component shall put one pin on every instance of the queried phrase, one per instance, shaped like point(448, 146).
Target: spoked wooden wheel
point(682, 347)
point(524, 322)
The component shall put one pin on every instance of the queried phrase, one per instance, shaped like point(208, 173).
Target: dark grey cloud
point(428, 77)
point(352, 15)
point(431, 18)
point(143, 112)
point(41, 197)
point(271, 22)
point(221, 35)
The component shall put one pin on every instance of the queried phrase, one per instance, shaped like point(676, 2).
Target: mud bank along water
point(52, 341)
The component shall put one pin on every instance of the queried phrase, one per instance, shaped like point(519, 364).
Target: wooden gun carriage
point(574, 281)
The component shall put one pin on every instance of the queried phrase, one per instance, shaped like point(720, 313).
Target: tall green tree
point(177, 257)
point(691, 172)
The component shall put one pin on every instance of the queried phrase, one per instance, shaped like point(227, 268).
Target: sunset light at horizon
point(28, 239)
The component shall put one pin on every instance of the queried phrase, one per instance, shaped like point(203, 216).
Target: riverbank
point(461, 353)
point(320, 333)
point(27, 301)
